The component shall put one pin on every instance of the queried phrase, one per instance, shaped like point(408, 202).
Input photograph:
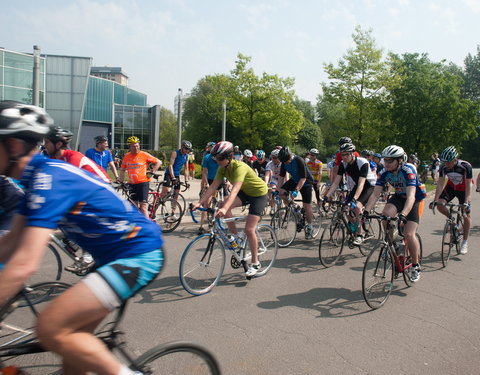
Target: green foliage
point(168, 129)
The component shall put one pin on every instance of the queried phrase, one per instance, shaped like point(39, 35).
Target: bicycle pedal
point(248, 277)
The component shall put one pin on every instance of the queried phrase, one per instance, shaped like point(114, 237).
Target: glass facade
point(132, 120)
point(16, 77)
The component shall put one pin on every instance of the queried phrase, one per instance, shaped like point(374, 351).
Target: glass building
point(88, 106)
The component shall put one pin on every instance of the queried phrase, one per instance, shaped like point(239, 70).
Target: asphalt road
point(304, 319)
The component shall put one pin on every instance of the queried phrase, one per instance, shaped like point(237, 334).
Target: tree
point(310, 135)
point(358, 90)
point(168, 129)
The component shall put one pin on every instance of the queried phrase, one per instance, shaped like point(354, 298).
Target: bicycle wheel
point(407, 261)
point(447, 243)
point(284, 223)
point(168, 215)
point(377, 277)
point(202, 264)
point(372, 235)
point(331, 244)
point(317, 220)
point(183, 203)
point(179, 358)
point(459, 234)
point(267, 248)
point(50, 268)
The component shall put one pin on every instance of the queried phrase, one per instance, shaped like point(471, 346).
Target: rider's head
point(346, 151)
point(22, 128)
point(285, 155)
point(57, 139)
point(101, 142)
point(222, 151)
point(133, 143)
point(343, 140)
point(449, 156)
point(393, 156)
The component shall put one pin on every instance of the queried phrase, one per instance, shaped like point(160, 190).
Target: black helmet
point(22, 121)
point(100, 139)
point(347, 147)
point(343, 140)
point(285, 154)
point(58, 134)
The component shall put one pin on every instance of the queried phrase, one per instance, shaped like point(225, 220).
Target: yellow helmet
point(132, 139)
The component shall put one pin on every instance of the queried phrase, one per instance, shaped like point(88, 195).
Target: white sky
point(164, 45)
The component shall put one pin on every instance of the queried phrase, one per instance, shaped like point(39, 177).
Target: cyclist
point(178, 159)
point(191, 165)
point(460, 178)
point(272, 173)
point(377, 159)
point(126, 246)
point(360, 180)
point(237, 154)
point(101, 155)
point(260, 164)
point(135, 163)
point(247, 188)
point(406, 203)
point(435, 167)
point(301, 181)
point(56, 143)
point(10, 194)
point(247, 158)
point(315, 167)
point(367, 154)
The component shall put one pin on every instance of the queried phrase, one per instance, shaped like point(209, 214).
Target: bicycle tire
point(331, 244)
point(377, 276)
point(459, 237)
point(372, 235)
point(317, 220)
point(267, 248)
point(407, 271)
point(50, 268)
point(202, 264)
point(183, 203)
point(447, 243)
point(284, 223)
point(168, 215)
point(177, 358)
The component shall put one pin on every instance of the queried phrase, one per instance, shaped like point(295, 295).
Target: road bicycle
point(203, 261)
point(178, 186)
point(386, 262)
point(215, 203)
point(289, 220)
point(453, 230)
point(166, 212)
point(342, 229)
point(20, 348)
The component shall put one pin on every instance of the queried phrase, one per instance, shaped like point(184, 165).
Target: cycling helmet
point(393, 152)
point(275, 153)
point(364, 153)
point(237, 148)
point(248, 153)
point(223, 148)
point(343, 140)
point(314, 151)
point(211, 144)
point(187, 145)
point(347, 147)
point(131, 140)
point(100, 139)
point(260, 154)
point(58, 134)
point(377, 155)
point(285, 154)
point(449, 154)
point(22, 121)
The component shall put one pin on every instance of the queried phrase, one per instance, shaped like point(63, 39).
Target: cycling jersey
point(275, 169)
point(236, 171)
point(457, 175)
point(10, 194)
point(81, 161)
point(360, 167)
point(211, 166)
point(136, 166)
point(406, 176)
point(179, 162)
point(298, 170)
point(338, 157)
point(102, 158)
point(315, 167)
point(260, 167)
point(88, 210)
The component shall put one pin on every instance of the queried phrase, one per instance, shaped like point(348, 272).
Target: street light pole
point(36, 76)
point(179, 118)
point(224, 119)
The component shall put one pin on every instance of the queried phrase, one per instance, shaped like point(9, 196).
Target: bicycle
point(289, 220)
point(332, 240)
point(166, 212)
point(215, 203)
point(203, 261)
point(17, 339)
point(453, 230)
point(386, 262)
point(178, 186)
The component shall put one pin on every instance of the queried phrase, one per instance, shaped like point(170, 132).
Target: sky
point(164, 45)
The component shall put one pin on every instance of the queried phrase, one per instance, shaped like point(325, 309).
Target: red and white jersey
point(81, 161)
point(457, 175)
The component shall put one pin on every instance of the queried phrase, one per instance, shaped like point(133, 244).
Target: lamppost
point(224, 119)
point(179, 118)
point(36, 76)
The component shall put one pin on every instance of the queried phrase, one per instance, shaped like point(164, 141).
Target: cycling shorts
point(449, 193)
point(363, 198)
point(167, 182)
point(257, 204)
point(306, 190)
point(140, 192)
point(415, 213)
point(117, 281)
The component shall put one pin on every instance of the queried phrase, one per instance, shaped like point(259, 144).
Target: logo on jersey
point(35, 201)
point(411, 176)
point(42, 181)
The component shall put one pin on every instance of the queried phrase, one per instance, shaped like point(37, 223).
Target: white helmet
point(393, 152)
point(314, 151)
point(248, 153)
point(275, 153)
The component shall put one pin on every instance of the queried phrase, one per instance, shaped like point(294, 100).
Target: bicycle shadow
point(327, 302)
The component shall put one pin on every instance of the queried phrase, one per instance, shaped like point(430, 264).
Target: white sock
point(124, 370)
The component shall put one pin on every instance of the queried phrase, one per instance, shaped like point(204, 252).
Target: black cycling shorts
point(399, 203)
point(306, 190)
point(363, 198)
point(257, 204)
point(139, 192)
point(449, 193)
point(168, 180)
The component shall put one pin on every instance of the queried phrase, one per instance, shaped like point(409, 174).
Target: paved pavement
point(304, 319)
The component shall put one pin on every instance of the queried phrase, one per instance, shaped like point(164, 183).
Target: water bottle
point(399, 247)
point(240, 238)
point(294, 193)
point(233, 241)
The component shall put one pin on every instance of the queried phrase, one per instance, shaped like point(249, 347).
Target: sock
point(124, 370)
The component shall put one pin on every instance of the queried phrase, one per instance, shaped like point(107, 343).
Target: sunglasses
point(345, 154)
point(389, 161)
point(220, 157)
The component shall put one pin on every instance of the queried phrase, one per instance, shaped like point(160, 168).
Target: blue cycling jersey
point(406, 176)
point(179, 162)
point(58, 194)
point(102, 158)
point(211, 166)
point(298, 170)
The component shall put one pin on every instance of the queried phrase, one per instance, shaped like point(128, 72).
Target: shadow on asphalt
point(328, 302)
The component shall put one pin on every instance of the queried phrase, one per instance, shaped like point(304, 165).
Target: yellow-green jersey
point(236, 171)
